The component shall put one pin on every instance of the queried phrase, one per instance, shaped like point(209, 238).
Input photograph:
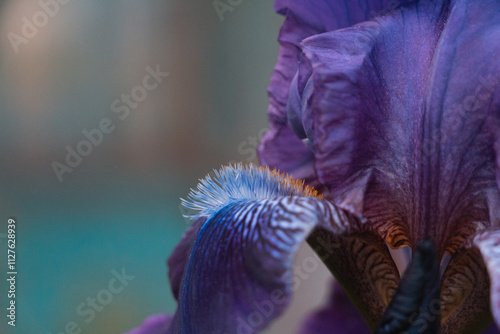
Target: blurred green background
point(119, 208)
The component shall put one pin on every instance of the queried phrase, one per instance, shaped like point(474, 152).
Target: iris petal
point(370, 86)
point(389, 98)
point(402, 118)
point(238, 274)
point(280, 148)
point(465, 294)
point(464, 104)
point(361, 263)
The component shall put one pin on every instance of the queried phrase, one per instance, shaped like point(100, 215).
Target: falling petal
point(238, 274)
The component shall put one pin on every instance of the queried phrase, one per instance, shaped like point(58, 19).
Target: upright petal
point(280, 148)
point(461, 123)
point(389, 101)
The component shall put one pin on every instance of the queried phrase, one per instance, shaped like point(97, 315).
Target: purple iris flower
point(390, 113)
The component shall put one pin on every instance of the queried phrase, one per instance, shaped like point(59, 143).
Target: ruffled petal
point(339, 316)
point(238, 275)
point(389, 97)
point(155, 324)
point(280, 148)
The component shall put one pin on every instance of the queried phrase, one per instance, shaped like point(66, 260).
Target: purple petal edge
point(304, 18)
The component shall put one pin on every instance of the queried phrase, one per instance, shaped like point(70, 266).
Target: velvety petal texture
point(369, 107)
point(237, 277)
point(280, 147)
point(393, 88)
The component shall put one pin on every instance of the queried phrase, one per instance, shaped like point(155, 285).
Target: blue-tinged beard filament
point(415, 305)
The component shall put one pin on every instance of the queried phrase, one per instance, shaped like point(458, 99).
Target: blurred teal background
point(119, 208)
